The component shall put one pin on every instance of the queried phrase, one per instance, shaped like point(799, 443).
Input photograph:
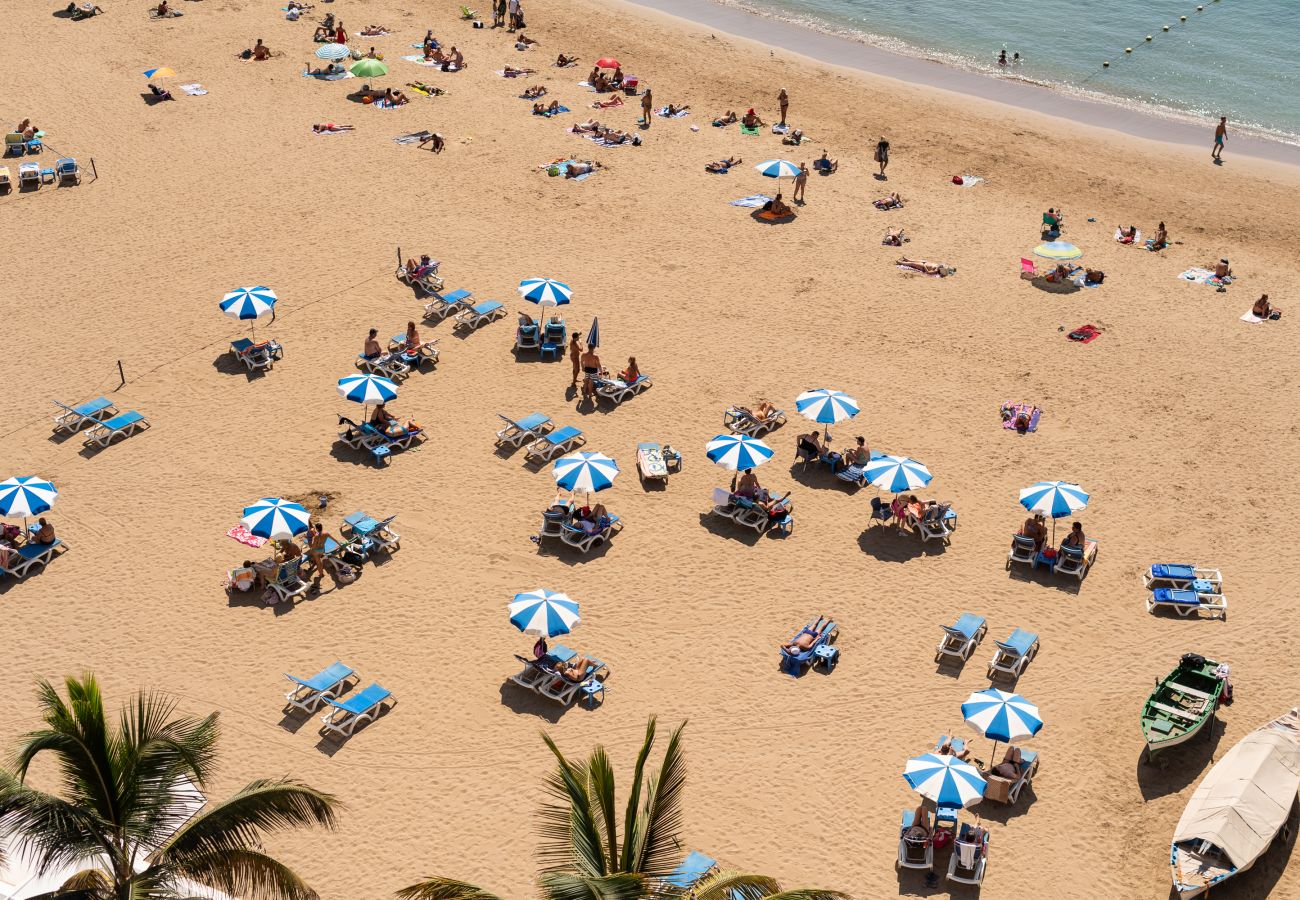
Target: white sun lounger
point(364, 706)
point(960, 638)
point(443, 305)
point(584, 541)
point(915, 853)
point(742, 421)
point(618, 391)
point(1186, 602)
point(287, 584)
point(559, 441)
point(121, 425)
point(1181, 575)
point(385, 364)
point(530, 427)
point(968, 858)
point(480, 315)
point(29, 556)
point(309, 693)
point(92, 412)
point(1013, 654)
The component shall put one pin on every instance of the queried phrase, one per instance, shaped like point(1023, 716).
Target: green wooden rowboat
point(1183, 701)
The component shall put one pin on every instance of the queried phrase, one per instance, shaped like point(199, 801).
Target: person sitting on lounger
point(748, 486)
point(929, 268)
point(594, 520)
point(946, 749)
point(526, 321)
point(858, 455)
point(1265, 310)
point(777, 207)
point(894, 237)
point(763, 411)
point(1010, 765)
point(918, 832)
point(159, 93)
point(576, 169)
point(1127, 235)
point(331, 127)
point(412, 343)
point(726, 119)
point(563, 61)
point(826, 164)
point(1161, 240)
point(751, 119)
point(372, 350)
point(773, 506)
point(632, 373)
point(721, 166)
point(809, 446)
point(1075, 538)
point(420, 269)
point(44, 534)
point(809, 635)
point(893, 201)
point(975, 835)
point(1035, 527)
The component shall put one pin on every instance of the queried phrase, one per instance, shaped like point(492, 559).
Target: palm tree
point(125, 802)
point(583, 855)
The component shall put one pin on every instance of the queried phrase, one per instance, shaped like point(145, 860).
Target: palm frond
point(439, 888)
point(90, 884)
point(55, 833)
point(808, 894)
point(732, 885)
point(241, 872)
point(574, 886)
point(570, 836)
point(633, 824)
point(657, 852)
point(600, 787)
point(238, 823)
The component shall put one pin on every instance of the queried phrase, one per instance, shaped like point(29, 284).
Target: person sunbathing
point(85, 11)
point(824, 164)
point(261, 52)
point(727, 119)
point(331, 69)
point(751, 119)
point(1010, 766)
point(858, 455)
point(159, 93)
point(575, 672)
point(722, 165)
point(588, 127)
point(331, 127)
point(422, 268)
point(512, 72)
point(532, 93)
point(426, 88)
point(612, 102)
point(412, 345)
point(776, 206)
point(671, 110)
point(437, 142)
point(371, 349)
point(323, 35)
point(1060, 274)
point(611, 136)
point(593, 520)
point(562, 61)
point(1265, 310)
point(525, 40)
point(775, 508)
point(894, 237)
point(794, 138)
point(929, 268)
point(1161, 240)
point(295, 6)
point(807, 636)
point(1075, 538)
point(161, 9)
point(44, 534)
point(374, 30)
point(918, 832)
point(1127, 235)
point(577, 169)
point(27, 129)
point(946, 749)
point(1222, 269)
point(1035, 527)
point(632, 373)
point(893, 201)
point(543, 109)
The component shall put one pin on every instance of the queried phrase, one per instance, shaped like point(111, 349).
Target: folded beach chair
point(742, 421)
point(254, 356)
point(480, 315)
point(530, 427)
point(467, 13)
point(551, 445)
point(528, 337)
point(29, 174)
point(74, 418)
point(346, 715)
point(554, 338)
point(618, 391)
point(309, 693)
point(583, 541)
point(15, 144)
point(388, 365)
point(961, 638)
point(968, 857)
point(915, 853)
point(1183, 575)
point(653, 462)
point(443, 305)
point(1076, 562)
point(793, 663)
point(1013, 654)
point(1185, 601)
point(287, 583)
point(29, 556)
point(122, 425)
point(693, 869)
point(66, 169)
point(1007, 790)
point(1023, 550)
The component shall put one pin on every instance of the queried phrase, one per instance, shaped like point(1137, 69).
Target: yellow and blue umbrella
point(161, 72)
point(1058, 250)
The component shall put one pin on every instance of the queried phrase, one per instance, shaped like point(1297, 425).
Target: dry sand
point(1180, 420)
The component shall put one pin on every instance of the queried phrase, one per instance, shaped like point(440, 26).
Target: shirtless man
point(1161, 240)
point(922, 265)
point(800, 183)
point(457, 58)
point(722, 165)
point(372, 350)
point(1035, 527)
point(647, 105)
point(590, 367)
point(261, 51)
point(575, 356)
point(578, 169)
point(1220, 137)
point(748, 485)
point(804, 640)
point(1222, 270)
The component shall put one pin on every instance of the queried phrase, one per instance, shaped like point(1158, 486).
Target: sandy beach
point(1179, 420)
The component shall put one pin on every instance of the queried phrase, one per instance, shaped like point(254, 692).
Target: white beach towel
point(337, 76)
point(587, 85)
point(680, 114)
point(1250, 317)
point(969, 181)
point(1204, 276)
point(413, 138)
point(194, 90)
point(421, 61)
point(1137, 238)
point(755, 201)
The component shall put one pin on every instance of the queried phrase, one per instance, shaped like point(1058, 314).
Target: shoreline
point(1019, 94)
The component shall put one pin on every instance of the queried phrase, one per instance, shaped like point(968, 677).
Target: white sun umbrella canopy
point(777, 168)
point(896, 474)
point(738, 452)
point(826, 406)
point(1054, 498)
point(1001, 715)
point(367, 389)
point(248, 304)
point(545, 290)
point(276, 518)
point(333, 51)
point(543, 612)
point(24, 496)
point(945, 779)
point(585, 471)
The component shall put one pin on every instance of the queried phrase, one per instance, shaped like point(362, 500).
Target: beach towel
point(1204, 276)
point(1250, 317)
point(909, 269)
point(382, 104)
point(967, 180)
point(1085, 334)
point(421, 61)
point(337, 76)
point(744, 130)
point(680, 114)
point(413, 138)
point(587, 85)
point(753, 202)
point(1012, 411)
point(778, 128)
point(194, 90)
point(1080, 279)
point(244, 536)
point(555, 112)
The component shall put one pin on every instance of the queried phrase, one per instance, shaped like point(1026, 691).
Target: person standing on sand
point(575, 356)
point(784, 99)
point(882, 155)
point(800, 183)
point(1220, 138)
point(647, 106)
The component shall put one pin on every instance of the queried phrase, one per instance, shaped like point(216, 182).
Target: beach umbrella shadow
point(766, 218)
point(887, 544)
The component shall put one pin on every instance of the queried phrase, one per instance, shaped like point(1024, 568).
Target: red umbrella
point(608, 63)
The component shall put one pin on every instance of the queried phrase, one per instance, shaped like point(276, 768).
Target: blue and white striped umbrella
point(545, 290)
point(1054, 498)
point(585, 471)
point(1001, 716)
point(367, 388)
point(24, 496)
point(277, 519)
point(738, 452)
point(777, 168)
point(896, 473)
point(945, 779)
point(333, 51)
point(543, 612)
point(826, 406)
point(593, 336)
point(248, 302)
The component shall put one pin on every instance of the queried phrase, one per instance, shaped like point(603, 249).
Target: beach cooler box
point(630, 83)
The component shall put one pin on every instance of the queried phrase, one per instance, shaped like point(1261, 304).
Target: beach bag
point(957, 179)
point(1192, 661)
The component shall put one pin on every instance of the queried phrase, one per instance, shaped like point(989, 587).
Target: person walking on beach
point(882, 155)
point(784, 99)
point(1220, 137)
point(800, 183)
point(647, 105)
point(575, 356)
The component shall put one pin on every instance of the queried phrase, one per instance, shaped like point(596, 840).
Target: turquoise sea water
point(1239, 58)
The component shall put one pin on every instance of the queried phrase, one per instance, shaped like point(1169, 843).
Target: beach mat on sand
point(1085, 334)
point(244, 536)
point(1204, 276)
point(755, 201)
point(744, 130)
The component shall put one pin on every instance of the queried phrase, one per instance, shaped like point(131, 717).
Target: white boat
point(1237, 810)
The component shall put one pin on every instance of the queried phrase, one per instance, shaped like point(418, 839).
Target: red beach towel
point(1084, 334)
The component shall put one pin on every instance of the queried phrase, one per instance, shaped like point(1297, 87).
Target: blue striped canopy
point(272, 517)
point(896, 473)
point(777, 168)
point(545, 290)
point(333, 51)
point(585, 471)
point(1001, 716)
point(826, 406)
point(248, 302)
point(543, 612)
point(24, 496)
point(367, 388)
point(593, 336)
point(1054, 498)
point(945, 779)
point(738, 452)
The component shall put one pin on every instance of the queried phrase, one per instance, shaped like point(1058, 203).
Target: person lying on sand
point(525, 40)
point(563, 62)
point(575, 169)
point(1265, 310)
point(1060, 274)
point(825, 164)
point(1127, 235)
point(727, 119)
point(894, 237)
point(323, 35)
point(613, 136)
point(426, 88)
point(893, 201)
point(543, 109)
point(512, 72)
point(437, 142)
point(331, 69)
point(85, 11)
point(591, 126)
point(671, 110)
point(331, 127)
point(616, 100)
point(532, 93)
point(809, 635)
point(295, 6)
point(374, 30)
point(929, 268)
point(721, 166)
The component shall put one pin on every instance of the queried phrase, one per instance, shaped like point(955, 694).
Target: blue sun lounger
point(29, 556)
point(121, 425)
point(1183, 575)
point(346, 715)
point(479, 315)
point(1186, 601)
point(794, 663)
point(1014, 653)
point(74, 418)
point(443, 305)
point(694, 868)
point(960, 638)
point(311, 692)
point(549, 445)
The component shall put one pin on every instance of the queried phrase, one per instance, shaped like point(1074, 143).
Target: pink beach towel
point(244, 536)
